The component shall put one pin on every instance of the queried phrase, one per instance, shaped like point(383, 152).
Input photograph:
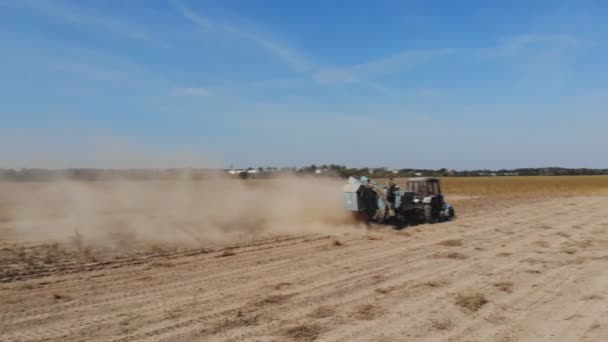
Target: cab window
point(412, 187)
point(432, 188)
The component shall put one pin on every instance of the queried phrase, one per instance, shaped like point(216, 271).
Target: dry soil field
point(278, 261)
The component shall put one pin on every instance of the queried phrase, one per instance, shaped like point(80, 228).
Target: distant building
point(238, 172)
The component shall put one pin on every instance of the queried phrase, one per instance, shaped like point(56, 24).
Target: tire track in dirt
point(124, 278)
point(452, 283)
point(343, 279)
point(129, 299)
point(363, 267)
point(70, 266)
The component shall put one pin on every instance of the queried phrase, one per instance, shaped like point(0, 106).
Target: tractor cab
point(424, 186)
point(429, 199)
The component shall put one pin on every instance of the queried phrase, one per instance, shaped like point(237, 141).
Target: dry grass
point(594, 296)
point(573, 316)
point(441, 324)
point(496, 318)
point(273, 300)
point(532, 261)
point(562, 185)
point(569, 250)
point(505, 286)
point(159, 263)
point(304, 332)
point(451, 243)
point(367, 312)
point(521, 185)
point(378, 278)
point(456, 255)
point(435, 283)
point(232, 323)
point(542, 243)
point(281, 285)
point(471, 300)
point(323, 312)
point(385, 290)
point(60, 297)
point(584, 243)
point(26, 287)
point(226, 253)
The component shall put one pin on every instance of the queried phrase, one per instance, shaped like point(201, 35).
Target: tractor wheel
point(452, 213)
point(429, 216)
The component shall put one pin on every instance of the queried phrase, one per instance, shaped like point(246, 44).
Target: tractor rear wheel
point(452, 213)
point(429, 214)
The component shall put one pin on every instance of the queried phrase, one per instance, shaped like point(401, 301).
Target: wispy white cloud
point(293, 59)
point(363, 73)
point(235, 90)
point(196, 92)
point(77, 16)
point(377, 68)
point(516, 44)
point(526, 40)
point(400, 62)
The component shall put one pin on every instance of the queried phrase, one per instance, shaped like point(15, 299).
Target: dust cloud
point(181, 210)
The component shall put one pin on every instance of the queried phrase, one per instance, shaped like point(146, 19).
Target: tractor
point(421, 201)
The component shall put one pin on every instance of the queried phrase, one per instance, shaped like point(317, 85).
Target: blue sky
point(455, 84)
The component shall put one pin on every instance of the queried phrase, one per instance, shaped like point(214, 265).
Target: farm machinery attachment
point(422, 201)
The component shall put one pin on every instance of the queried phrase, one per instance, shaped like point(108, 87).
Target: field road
point(535, 271)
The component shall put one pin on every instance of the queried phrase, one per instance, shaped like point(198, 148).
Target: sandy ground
point(532, 271)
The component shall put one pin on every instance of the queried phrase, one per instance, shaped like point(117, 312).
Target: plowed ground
point(533, 270)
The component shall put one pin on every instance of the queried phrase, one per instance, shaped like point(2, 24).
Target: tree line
point(331, 170)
